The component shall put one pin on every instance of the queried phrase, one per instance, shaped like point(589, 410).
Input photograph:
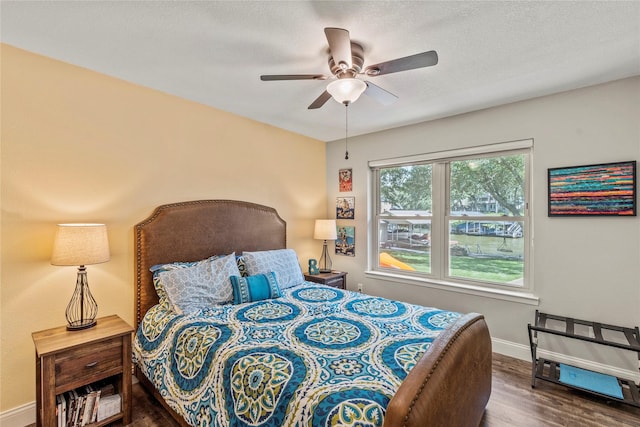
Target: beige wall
point(78, 146)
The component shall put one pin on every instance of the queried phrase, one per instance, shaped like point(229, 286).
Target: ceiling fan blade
point(340, 46)
point(382, 96)
point(272, 77)
point(419, 60)
point(319, 102)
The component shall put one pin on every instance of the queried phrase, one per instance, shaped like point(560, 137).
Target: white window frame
point(440, 219)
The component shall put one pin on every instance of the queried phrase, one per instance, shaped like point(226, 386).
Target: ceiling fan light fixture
point(346, 91)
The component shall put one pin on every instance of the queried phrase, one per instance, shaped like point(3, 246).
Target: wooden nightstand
point(67, 360)
point(337, 279)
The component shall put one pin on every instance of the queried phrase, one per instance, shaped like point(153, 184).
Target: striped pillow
point(254, 288)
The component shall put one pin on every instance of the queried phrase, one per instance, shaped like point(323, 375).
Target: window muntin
point(459, 219)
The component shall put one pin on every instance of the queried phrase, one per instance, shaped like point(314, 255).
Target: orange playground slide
point(388, 261)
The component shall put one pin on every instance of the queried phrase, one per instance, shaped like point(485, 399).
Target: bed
point(372, 361)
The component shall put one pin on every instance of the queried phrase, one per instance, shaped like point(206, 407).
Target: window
point(456, 217)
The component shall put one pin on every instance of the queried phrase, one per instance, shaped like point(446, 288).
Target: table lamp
point(325, 230)
point(81, 244)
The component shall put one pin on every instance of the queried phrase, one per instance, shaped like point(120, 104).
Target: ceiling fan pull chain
point(346, 130)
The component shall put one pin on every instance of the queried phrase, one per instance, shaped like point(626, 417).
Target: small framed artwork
point(607, 189)
point(346, 241)
point(345, 180)
point(345, 207)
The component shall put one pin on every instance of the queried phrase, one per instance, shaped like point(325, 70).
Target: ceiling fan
point(346, 62)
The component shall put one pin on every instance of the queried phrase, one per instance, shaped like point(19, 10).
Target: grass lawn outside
point(486, 268)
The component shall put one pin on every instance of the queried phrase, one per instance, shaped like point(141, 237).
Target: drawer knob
point(91, 365)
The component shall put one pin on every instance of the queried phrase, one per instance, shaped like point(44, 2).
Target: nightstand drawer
point(336, 283)
point(336, 279)
point(88, 363)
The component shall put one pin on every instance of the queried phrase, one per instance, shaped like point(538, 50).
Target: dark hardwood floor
point(513, 403)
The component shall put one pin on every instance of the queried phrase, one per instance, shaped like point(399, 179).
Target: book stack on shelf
point(88, 404)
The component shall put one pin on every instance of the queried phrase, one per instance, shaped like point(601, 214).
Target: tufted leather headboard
point(191, 231)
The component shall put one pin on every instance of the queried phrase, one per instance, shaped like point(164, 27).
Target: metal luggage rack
point(549, 370)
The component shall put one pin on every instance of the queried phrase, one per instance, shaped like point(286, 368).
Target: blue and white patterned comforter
point(317, 356)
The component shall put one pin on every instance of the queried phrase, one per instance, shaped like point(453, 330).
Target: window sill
point(499, 294)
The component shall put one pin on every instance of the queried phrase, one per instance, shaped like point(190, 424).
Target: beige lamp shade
point(325, 229)
point(80, 244)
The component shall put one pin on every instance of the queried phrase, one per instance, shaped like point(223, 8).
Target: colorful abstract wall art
point(593, 190)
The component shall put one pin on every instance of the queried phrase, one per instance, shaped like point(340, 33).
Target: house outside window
point(459, 217)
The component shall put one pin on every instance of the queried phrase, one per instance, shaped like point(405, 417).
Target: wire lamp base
point(325, 261)
point(82, 309)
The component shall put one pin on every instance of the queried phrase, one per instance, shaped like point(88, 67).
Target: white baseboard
point(523, 352)
point(19, 417)
point(26, 414)
point(511, 349)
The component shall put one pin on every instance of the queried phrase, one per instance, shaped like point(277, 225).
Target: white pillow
point(200, 286)
point(283, 262)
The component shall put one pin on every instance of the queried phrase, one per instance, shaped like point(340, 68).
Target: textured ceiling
point(490, 53)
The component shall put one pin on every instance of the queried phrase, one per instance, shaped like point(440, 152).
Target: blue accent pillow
point(254, 288)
